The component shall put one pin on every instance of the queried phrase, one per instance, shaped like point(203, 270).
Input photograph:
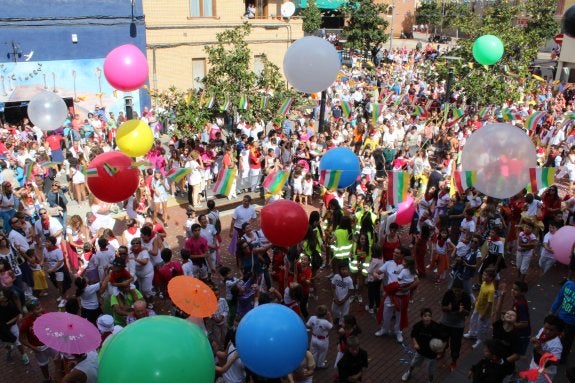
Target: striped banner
point(428, 104)
point(457, 113)
point(541, 178)
point(346, 108)
point(28, 170)
point(376, 111)
point(177, 174)
point(89, 172)
point(285, 106)
point(243, 104)
point(111, 170)
point(533, 120)
point(209, 103)
point(263, 101)
point(227, 103)
point(483, 112)
point(386, 98)
point(330, 178)
point(507, 114)
point(464, 180)
point(275, 181)
point(419, 111)
point(142, 165)
point(397, 187)
point(223, 185)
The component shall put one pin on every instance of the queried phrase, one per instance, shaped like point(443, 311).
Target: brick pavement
point(388, 359)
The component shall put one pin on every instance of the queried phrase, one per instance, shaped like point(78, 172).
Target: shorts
point(200, 271)
point(44, 356)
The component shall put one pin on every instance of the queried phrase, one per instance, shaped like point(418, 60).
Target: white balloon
point(311, 64)
point(501, 156)
point(47, 111)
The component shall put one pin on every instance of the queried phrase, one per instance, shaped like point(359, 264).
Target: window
point(258, 64)
point(201, 8)
point(198, 72)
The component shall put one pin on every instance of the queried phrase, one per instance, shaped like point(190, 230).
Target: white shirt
point(89, 367)
point(52, 257)
point(553, 346)
point(546, 241)
point(319, 326)
point(242, 215)
point(391, 271)
point(54, 227)
point(236, 373)
point(18, 241)
point(89, 298)
point(102, 259)
point(342, 286)
point(143, 270)
point(209, 233)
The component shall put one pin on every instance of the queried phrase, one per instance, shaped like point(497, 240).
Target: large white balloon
point(501, 155)
point(47, 111)
point(311, 64)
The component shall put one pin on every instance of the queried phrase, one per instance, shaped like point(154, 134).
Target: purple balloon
point(126, 68)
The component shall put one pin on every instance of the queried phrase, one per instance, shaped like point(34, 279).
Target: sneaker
point(380, 332)
point(62, 304)
point(453, 366)
point(476, 344)
point(405, 377)
point(150, 306)
point(359, 299)
point(469, 336)
point(59, 299)
point(25, 360)
point(399, 337)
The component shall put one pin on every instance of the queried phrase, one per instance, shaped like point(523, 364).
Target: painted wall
point(37, 51)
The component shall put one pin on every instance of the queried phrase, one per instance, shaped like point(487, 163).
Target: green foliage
point(229, 75)
point(311, 17)
point(365, 27)
point(509, 78)
point(428, 13)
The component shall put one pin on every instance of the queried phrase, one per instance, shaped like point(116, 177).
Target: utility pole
point(392, 18)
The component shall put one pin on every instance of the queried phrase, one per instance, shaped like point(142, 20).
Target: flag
point(419, 111)
point(275, 181)
point(141, 165)
point(89, 172)
point(263, 101)
point(538, 78)
point(483, 112)
point(209, 103)
point(177, 174)
point(397, 187)
point(464, 179)
point(346, 108)
point(428, 104)
point(285, 106)
point(541, 178)
point(223, 185)
point(188, 97)
point(533, 120)
point(570, 116)
point(330, 178)
point(226, 104)
point(243, 105)
point(457, 113)
point(507, 114)
point(28, 170)
point(111, 170)
point(386, 98)
point(446, 108)
point(49, 164)
point(375, 111)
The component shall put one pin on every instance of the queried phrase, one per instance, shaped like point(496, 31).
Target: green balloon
point(487, 49)
point(158, 349)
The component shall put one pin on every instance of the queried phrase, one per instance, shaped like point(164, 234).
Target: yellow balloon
point(134, 138)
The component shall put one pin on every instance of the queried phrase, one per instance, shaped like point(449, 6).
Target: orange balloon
point(192, 296)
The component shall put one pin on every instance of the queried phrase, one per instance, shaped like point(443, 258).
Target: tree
point(229, 78)
point(428, 13)
point(365, 27)
point(510, 77)
point(311, 17)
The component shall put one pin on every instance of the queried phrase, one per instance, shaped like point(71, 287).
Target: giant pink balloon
point(126, 68)
point(284, 223)
point(405, 211)
point(562, 242)
point(116, 180)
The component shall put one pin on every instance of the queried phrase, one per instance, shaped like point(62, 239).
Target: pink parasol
point(67, 333)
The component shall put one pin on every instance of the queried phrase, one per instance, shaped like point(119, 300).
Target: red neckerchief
point(46, 223)
point(441, 241)
point(132, 229)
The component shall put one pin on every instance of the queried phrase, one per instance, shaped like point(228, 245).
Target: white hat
point(105, 323)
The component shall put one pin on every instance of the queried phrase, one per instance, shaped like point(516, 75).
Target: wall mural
point(81, 80)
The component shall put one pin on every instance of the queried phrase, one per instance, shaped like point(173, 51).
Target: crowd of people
point(466, 242)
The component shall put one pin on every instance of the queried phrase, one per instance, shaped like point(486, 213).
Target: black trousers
point(374, 294)
point(455, 337)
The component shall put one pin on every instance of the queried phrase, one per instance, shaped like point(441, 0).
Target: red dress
point(387, 248)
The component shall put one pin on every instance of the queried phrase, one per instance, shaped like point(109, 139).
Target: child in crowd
point(320, 324)
point(230, 281)
point(526, 243)
point(342, 288)
point(489, 368)
point(479, 321)
point(373, 281)
point(349, 329)
point(307, 189)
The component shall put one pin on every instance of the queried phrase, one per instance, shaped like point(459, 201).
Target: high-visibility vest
point(343, 244)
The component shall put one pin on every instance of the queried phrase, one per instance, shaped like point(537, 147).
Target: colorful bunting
point(541, 178)
point(464, 180)
point(275, 181)
point(223, 185)
point(285, 106)
point(330, 178)
point(397, 187)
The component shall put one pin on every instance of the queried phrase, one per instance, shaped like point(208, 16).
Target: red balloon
point(284, 223)
point(405, 211)
point(116, 181)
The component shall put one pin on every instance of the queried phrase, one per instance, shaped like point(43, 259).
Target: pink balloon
point(405, 211)
point(126, 68)
point(562, 242)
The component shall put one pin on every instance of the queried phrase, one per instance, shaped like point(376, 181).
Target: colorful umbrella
point(192, 296)
point(67, 333)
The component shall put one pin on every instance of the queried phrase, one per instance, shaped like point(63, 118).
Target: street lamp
point(133, 30)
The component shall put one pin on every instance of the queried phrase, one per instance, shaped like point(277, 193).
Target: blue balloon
point(342, 159)
point(271, 340)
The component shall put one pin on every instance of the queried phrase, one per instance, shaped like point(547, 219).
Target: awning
point(321, 4)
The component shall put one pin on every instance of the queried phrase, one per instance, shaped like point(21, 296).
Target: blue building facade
point(60, 46)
